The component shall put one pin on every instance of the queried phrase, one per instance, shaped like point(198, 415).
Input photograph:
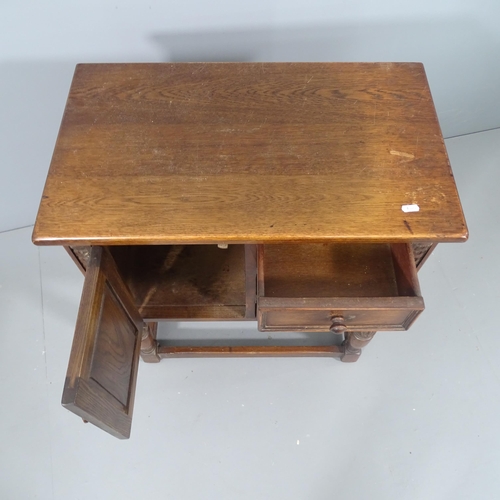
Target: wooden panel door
point(102, 371)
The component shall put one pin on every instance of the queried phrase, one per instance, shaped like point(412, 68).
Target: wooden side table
point(303, 196)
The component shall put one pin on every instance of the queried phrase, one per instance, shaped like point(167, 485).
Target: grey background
point(40, 43)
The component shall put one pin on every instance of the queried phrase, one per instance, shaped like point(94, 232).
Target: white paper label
point(410, 208)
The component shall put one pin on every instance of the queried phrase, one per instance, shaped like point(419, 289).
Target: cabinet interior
point(205, 282)
point(184, 281)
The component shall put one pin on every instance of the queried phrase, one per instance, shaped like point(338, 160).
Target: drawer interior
point(185, 281)
point(337, 270)
point(313, 287)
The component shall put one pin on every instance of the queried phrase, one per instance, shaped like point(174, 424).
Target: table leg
point(149, 344)
point(353, 344)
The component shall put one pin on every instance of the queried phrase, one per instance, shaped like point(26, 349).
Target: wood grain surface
point(199, 279)
point(250, 351)
point(370, 287)
point(328, 270)
point(249, 153)
point(102, 370)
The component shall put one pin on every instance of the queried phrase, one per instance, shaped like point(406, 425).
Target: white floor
point(416, 418)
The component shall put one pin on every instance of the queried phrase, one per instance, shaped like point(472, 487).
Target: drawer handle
point(338, 325)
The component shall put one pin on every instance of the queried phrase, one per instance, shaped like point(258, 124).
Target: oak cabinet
point(302, 196)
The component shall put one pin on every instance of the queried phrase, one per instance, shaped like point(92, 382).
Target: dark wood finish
point(328, 270)
point(405, 271)
point(353, 345)
point(385, 314)
point(197, 313)
point(102, 370)
point(72, 252)
point(149, 344)
point(422, 252)
point(249, 153)
point(165, 177)
point(82, 253)
point(304, 287)
point(250, 351)
point(338, 324)
point(201, 282)
point(251, 281)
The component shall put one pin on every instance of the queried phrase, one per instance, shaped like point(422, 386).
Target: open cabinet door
point(102, 371)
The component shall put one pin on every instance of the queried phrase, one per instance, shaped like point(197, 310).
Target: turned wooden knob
point(338, 325)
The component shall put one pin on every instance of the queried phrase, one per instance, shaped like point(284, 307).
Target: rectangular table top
point(249, 153)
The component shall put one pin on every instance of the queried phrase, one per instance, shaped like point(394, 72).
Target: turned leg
point(353, 344)
point(149, 344)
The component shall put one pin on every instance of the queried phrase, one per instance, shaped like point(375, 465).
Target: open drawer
point(338, 287)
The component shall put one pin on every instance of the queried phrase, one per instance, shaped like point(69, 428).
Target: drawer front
point(395, 314)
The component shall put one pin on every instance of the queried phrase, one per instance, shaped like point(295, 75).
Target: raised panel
point(112, 362)
point(102, 371)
